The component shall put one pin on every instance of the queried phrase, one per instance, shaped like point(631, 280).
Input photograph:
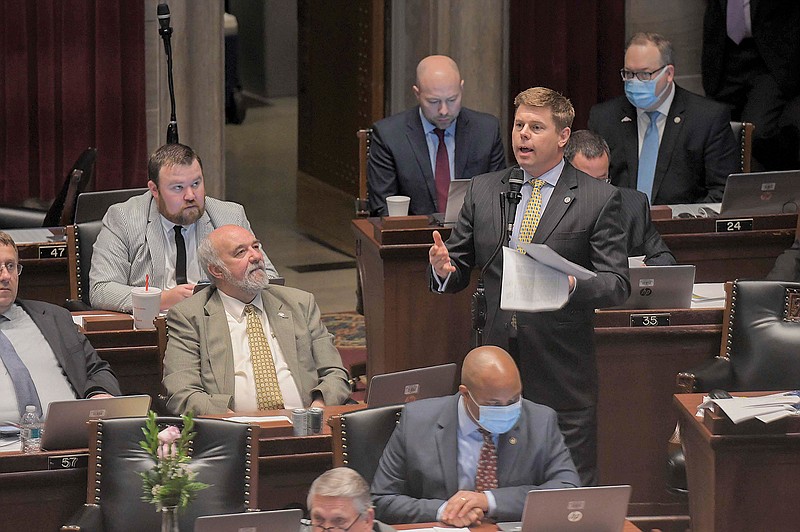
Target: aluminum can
point(300, 421)
point(314, 420)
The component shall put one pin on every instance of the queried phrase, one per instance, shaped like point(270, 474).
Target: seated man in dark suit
point(675, 146)
point(245, 345)
point(406, 156)
point(44, 356)
point(589, 153)
point(787, 265)
point(476, 454)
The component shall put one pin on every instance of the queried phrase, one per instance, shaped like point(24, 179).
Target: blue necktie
point(648, 157)
point(21, 377)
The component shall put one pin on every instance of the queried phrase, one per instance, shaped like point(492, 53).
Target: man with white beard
point(244, 345)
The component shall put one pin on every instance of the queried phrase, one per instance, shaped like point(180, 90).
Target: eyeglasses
point(11, 267)
point(627, 75)
point(309, 525)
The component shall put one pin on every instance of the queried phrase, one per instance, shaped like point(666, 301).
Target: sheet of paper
point(33, 235)
point(708, 295)
point(257, 419)
point(740, 409)
point(542, 253)
point(530, 286)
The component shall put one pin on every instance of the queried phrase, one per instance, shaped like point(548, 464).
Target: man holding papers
point(577, 217)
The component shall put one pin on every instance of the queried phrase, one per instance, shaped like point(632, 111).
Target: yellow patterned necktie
point(533, 212)
point(268, 393)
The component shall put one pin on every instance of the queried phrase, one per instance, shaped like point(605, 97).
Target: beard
point(186, 216)
point(255, 280)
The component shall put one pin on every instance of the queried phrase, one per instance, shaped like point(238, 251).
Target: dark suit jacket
point(419, 467)
point(85, 370)
point(643, 239)
point(787, 265)
point(697, 153)
point(582, 223)
point(400, 164)
point(775, 26)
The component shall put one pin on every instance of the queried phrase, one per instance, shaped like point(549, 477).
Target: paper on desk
point(740, 409)
point(537, 281)
point(257, 419)
point(33, 235)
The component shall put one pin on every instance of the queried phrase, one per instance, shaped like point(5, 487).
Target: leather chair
point(224, 455)
point(743, 131)
point(359, 437)
point(760, 350)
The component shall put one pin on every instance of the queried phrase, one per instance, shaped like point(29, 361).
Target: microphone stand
point(165, 30)
point(479, 306)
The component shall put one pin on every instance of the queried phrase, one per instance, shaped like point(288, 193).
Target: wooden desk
point(725, 256)
point(738, 482)
point(36, 494)
point(44, 278)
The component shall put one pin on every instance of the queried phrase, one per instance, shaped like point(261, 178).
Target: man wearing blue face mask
point(474, 455)
point(673, 145)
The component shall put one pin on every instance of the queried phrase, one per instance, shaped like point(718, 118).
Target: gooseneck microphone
point(165, 30)
point(513, 197)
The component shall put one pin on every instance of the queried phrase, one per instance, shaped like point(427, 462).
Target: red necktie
point(442, 173)
point(486, 475)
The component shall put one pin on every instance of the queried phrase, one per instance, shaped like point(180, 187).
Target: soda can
point(300, 421)
point(314, 420)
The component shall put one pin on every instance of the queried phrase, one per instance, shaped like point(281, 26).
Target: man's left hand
point(101, 396)
point(465, 508)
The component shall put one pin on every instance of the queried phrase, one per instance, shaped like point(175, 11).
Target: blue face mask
point(498, 419)
point(642, 94)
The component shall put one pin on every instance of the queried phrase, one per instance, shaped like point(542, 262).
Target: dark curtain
point(572, 46)
point(71, 77)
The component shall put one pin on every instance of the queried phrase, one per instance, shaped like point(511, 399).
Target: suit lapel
point(509, 446)
point(630, 141)
point(154, 234)
point(560, 201)
point(447, 445)
point(672, 130)
point(281, 321)
point(462, 145)
point(419, 145)
point(218, 343)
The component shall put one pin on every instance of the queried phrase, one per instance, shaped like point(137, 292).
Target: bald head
point(491, 376)
point(438, 90)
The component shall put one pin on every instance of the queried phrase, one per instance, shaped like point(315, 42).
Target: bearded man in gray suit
point(157, 234)
point(213, 364)
point(578, 218)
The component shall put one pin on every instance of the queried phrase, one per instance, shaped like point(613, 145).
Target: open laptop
point(412, 384)
point(65, 423)
point(274, 521)
point(595, 509)
point(455, 199)
point(761, 193)
point(660, 287)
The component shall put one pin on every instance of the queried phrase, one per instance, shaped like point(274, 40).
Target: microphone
point(514, 196)
point(165, 30)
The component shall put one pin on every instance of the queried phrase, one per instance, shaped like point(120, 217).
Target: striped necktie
point(533, 212)
point(268, 393)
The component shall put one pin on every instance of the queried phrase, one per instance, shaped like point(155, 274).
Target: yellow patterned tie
point(268, 393)
point(533, 211)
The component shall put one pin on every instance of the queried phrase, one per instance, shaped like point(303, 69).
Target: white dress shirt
point(171, 252)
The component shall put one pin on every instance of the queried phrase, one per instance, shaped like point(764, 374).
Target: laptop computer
point(65, 422)
point(594, 509)
point(412, 384)
point(761, 193)
point(455, 199)
point(660, 287)
point(277, 520)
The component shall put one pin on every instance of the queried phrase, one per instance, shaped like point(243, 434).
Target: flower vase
point(169, 519)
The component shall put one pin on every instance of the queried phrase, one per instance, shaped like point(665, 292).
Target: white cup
point(398, 205)
point(146, 304)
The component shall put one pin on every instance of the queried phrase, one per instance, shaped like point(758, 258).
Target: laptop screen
point(409, 385)
point(761, 193)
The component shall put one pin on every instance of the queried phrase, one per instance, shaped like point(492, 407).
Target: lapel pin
point(282, 315)
point(677, 120)
point(626, 119)
point(512, 440)
point(567, 200)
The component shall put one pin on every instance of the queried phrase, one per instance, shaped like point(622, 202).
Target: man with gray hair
point(245, 345)
point(339, 499)
point(673, 145)
point(588, 152)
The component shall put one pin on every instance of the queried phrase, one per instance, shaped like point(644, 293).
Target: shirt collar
point(235, 307)
point(466, 425)
point(12, 313)
point(428, 127)
point(550, 177)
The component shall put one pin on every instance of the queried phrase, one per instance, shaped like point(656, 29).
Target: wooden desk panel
point(738, 482)
point(44, 279)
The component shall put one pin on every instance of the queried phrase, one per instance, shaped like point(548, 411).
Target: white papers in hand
point(537, 281)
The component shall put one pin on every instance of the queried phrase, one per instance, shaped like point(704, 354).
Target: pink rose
point(166, 442)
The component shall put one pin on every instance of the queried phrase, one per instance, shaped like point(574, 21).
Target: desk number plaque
point(53, 252)
point(660, 319)
point(68, 461)
point(734, 225)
